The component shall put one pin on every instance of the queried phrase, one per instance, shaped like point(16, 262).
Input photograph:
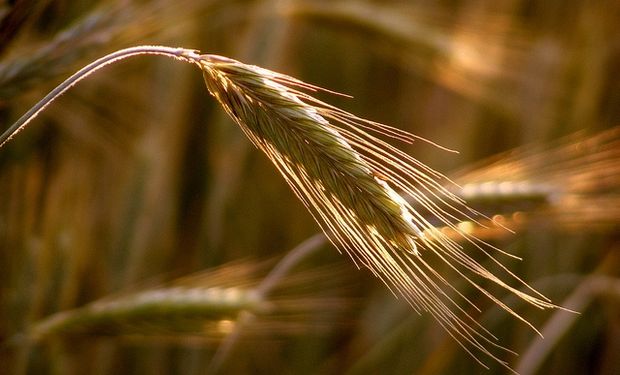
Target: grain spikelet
point(348, 179)
point(206, 306)
point(573, 182)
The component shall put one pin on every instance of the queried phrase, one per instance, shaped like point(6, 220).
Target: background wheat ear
point(569, 184)
point(208, 305)
point(349, 179)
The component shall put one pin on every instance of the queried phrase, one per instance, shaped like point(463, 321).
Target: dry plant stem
point(592, 286)
point(561, 322)
point(294, 257)
point(182, 54)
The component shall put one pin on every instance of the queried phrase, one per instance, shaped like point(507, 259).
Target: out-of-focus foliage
point(137, 173)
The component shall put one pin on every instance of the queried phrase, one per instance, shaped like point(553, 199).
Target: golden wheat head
point(350, 179)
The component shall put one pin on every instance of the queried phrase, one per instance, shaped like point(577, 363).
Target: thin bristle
point(348, 179)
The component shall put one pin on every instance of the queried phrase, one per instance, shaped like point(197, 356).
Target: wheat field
point(142, 232)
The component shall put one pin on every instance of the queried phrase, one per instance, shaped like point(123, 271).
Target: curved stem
point(183, 54)
point(293, 258)
point(561, 323)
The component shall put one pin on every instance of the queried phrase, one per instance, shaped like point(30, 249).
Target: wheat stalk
point(182, 54)
point(349, 179)
point(106, 25)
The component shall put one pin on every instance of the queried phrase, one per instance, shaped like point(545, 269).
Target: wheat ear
point(573, 182)
point(349, 179)
point(211, 304)
point(152, 312)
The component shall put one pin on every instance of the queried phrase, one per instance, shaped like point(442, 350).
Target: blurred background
point(136, 177)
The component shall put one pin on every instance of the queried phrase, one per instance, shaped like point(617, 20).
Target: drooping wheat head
point(349, 179)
